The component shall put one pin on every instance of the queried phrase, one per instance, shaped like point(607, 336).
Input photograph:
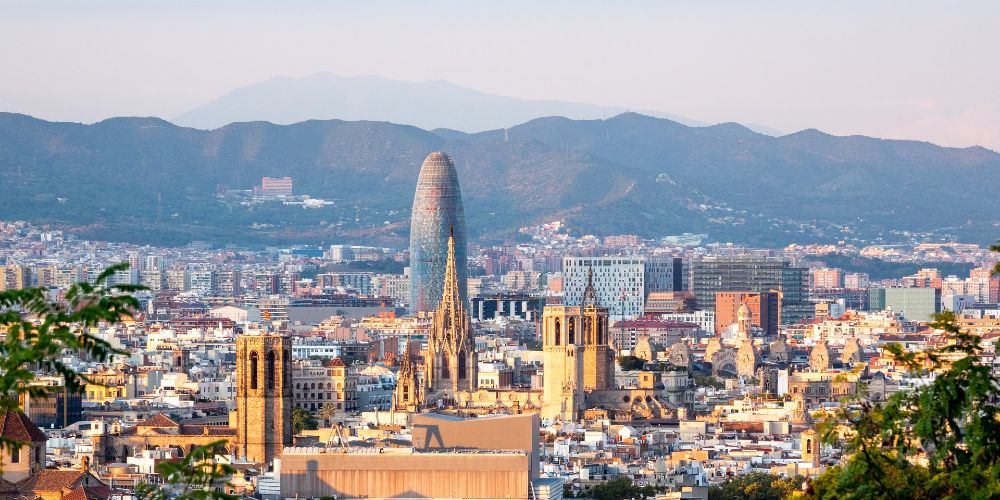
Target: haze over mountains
point(428, 105)
point(145, 179)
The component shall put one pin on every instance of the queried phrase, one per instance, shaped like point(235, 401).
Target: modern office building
point(619, 283)
point(360, 282)
point(915, 304)
point(664, 273)
point(524, 306)
point(751, 273)
point(437, 213)
point(59, 408)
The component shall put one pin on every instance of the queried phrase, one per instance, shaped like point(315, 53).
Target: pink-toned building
point(276, 186)
point(621, 240)
point(826, 278)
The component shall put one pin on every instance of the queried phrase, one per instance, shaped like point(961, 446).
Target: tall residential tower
point(437, 214)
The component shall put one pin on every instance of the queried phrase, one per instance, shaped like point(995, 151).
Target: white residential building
point(618, 283)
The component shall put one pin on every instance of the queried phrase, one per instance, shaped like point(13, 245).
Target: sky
point(908, 69)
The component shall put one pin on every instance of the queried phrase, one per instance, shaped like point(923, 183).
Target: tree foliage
point(996, 267)
point(631, 363)
point(38, 332)
point(939, 440)
point(755, 486)
point(197, 477)
point(302, 420)
point(618, 488)
point(708, 381)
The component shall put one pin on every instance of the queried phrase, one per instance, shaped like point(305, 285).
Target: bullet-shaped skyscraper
point(437, 213)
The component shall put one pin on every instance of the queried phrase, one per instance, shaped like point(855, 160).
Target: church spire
point(452, 295)
point(589, 295)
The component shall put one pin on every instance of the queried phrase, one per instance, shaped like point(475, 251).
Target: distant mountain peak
point(426, 104)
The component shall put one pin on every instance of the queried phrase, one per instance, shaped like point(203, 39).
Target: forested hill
point(147, 180)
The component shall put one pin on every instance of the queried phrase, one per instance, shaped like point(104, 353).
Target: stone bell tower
point(598, 356)
point(263, 396)
point(562, 344)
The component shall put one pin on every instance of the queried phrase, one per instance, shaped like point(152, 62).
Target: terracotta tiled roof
point(17, 426)
point(158, 420)
point(88, 493)
point(64, 481)
point(7, 487)
point(50, 480)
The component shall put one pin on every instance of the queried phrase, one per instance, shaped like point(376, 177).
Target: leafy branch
point(198, 476)
point(38, 332)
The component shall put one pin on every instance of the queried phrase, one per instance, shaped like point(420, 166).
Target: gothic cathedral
point(451, 363)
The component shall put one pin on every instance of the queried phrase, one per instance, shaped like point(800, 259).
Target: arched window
point(254, 358)
point(286, 364)
point(461, 366)
point(571, 334)
point(558, 333)
point(270, 370)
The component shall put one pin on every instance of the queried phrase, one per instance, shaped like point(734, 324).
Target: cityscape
point(517, 298)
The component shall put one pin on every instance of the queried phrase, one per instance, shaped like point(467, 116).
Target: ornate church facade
point(450, 362)
point(579, 366)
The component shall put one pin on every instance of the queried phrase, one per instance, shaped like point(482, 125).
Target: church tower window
point(270, 370)
point(254, 359)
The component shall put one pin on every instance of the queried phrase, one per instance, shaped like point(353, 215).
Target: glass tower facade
point(711, 274)
point(437, 212)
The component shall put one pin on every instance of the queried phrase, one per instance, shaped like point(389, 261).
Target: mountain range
point(429, 105)
point(148, 180)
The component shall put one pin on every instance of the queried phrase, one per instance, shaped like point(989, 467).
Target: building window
point(253, 369)
point(15, 455)
point(270, 370)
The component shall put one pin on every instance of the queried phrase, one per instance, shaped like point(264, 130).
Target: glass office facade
point(437, 211)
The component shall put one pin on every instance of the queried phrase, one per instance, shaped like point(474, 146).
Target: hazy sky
point(899, 69)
